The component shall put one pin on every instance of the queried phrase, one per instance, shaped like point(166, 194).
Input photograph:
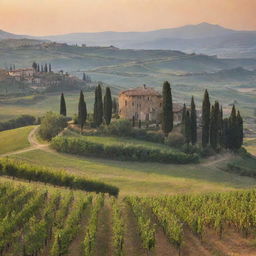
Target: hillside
point(188, 73)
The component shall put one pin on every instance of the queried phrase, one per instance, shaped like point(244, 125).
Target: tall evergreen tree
point(225, 133)
point(167, 119)
point(42, 68)
point(214, 126)
point(63, 110)
point(82, 110)
point(240, 130)
point(187, 128)
point(98, 107)
point(114, 106)
point(50, 67)
point(45, 68)
point(84, 77)
point(206, 108)
point(38, 68)
point(107, 106)
point(183, 119)
point(34, 66)
point(193, 122)
point(233, 131)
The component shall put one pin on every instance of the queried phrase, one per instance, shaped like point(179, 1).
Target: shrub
point(118, 128)
point(20, 121)
point(79, 146)
point(55, 177)
point(175, 139)
point(51, 125)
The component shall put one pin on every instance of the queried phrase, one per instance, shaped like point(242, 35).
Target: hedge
point(29, 172)
point(79, 146)
point(23, 120)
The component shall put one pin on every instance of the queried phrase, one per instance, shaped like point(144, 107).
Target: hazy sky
point(43, 17)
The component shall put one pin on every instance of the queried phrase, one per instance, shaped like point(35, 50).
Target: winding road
point(34, 144)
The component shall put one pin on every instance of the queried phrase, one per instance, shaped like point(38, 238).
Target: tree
point(38, 68)
point(84, 77)
point(98, 107)
point(45, 68)
point(214, 126)
point(50, 67)
point(51, 125)
point(63, 110)
point(193, 122)
point(34, 66)
point(240, 130)
point(107, 106)
point(82, 111)
point(42, 68)
point(187, 128)
point(167, 120)
point(183, 120)
point(206, 119)
point(114, 106)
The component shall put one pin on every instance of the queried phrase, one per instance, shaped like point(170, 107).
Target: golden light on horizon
point(44, 17)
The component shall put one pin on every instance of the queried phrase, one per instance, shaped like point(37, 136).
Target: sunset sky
point(45, 17)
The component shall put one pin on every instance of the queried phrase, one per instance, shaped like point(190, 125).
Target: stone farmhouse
point(145, 104)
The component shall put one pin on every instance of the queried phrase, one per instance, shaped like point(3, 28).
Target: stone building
point(144, 104)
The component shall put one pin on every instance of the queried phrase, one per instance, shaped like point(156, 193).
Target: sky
point(49, 17)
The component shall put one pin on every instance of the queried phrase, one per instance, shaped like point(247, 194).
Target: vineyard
point(42, 220)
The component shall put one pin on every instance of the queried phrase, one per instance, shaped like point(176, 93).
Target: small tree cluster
point(86, 78)
point(189, 123)
point(219, 132)
point(42, 68)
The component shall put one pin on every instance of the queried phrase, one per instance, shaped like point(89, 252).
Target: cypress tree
point(193, 122)
point(107, 106)
point(82, 110)
point(225, 133)
point(114, 106)
point(187, 128)
point(206, 107)
point(84, 77)
point(63, 110)
point(214, 126)
point(183, 120)
point(98, 107)
point(34, 66)
point(45, 68)
point(38, 68)
point(240, 132)
point(167, 120)
point(42, 68)
point(50, 67)
point(233, 131)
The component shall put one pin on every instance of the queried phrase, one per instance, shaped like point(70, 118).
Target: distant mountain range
point(202, 38)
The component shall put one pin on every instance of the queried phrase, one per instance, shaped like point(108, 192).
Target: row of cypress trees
point(102, 107)
point(218, 132)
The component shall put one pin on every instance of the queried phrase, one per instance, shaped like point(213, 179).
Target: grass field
point(50, 102)
point(15, 139)
point(144, 178)
point(250, 145)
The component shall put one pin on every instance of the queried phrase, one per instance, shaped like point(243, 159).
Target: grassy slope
point(250, 145)
point(143, 178)
point(15, 139)
point(51, 102)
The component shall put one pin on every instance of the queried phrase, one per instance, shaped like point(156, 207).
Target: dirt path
point(34, 144)
point(76, 247)
point(132, 241)
point(103, 244)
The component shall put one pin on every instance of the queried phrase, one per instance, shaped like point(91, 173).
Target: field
point(42, 105)
point(15, 139)
point(250, 145)
point(53, 221)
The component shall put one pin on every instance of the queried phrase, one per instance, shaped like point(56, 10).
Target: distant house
point(26, 72)
point(144, 104)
